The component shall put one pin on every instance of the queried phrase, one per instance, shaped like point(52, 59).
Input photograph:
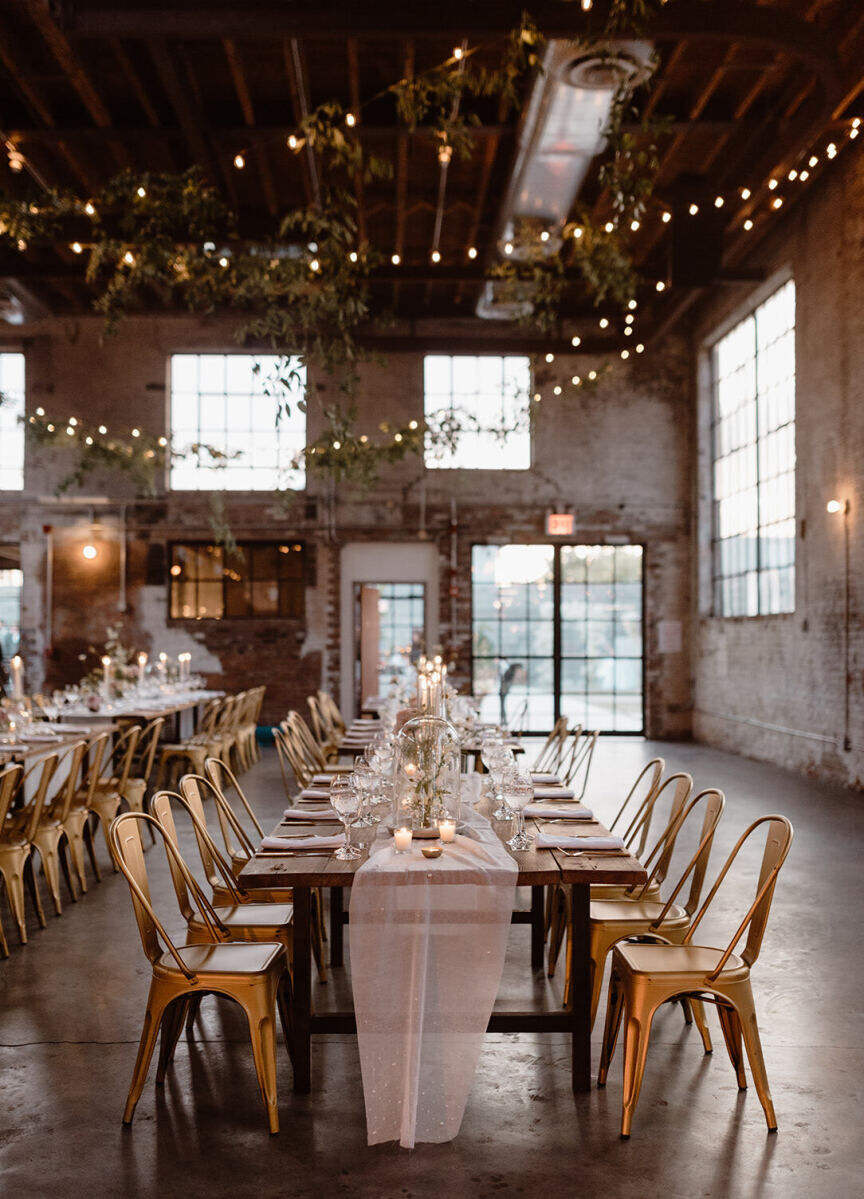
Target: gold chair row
point(226, 730)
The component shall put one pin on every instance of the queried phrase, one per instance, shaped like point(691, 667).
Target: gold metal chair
point(109, 793)
point(330, 709)
point(549, 757)
point(79, 817)
point(644, 976)
point(199, 746)
point(576, 765)
point(614, 920)
point(50, 837)
point(253, 975)
point(135, 791)
point(10, 777)
point(194, 788)
point(16, 839)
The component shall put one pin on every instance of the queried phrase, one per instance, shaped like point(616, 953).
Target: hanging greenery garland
point(172, 240)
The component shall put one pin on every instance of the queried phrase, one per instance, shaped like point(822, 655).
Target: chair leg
point(261, 1032)
point(192, 1010)
point(4, 944)
point(557, 922)
point(731, 1028)
point(746, 1013)
point(91, 850)
point(614, 1010)
point(317, 938)
point(106, 813)
point(172, 1026)
point(51, 870)
point(12, 877)
point(149, 1033)
point(698, 1009)
point(284, 1001)
point(29, 873)
point(64, 853)
point(637, 1032)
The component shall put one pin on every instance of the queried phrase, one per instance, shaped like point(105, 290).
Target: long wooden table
point(538, 868)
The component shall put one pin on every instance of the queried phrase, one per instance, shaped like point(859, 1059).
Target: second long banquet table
point(538, 868)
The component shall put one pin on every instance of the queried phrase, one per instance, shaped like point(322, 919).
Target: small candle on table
point(16, 666)
point(447, 829)
point(106, 673)
point(402, 840)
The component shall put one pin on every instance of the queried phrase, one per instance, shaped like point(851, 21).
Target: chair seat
point(665, 962)
point(233, 957)
point(641, 911)
point(616, 891)
point(273, 915)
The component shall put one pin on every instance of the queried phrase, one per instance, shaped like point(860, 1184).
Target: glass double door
point(557, 630)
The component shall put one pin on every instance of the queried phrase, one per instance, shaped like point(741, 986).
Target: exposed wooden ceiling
point(88, 88)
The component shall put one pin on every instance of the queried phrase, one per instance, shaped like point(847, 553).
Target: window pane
point(220, 401)
point(11, 422)
point(754, 461)
point(490, 396)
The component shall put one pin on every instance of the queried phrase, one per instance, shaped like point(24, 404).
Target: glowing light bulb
point(604, 322)
point(792, 176)
point(352, 257)
point(141, 193)
point(436, 255)
point(834, 506)
point(89, 209)
point(812, 161)
point(556, 391)
point(592, 375)
point(632, 305)
point(777, 202)
point(803, 176)
point(472, 252)
point(719, 201)
point(640, 348)
point(314, 265)
point(577, 232)
point(292, 142)
point(625, 354)
point(350, 120)
point(457, 52)
point(508, 248)
point(772, 185)
point(659, 285)
point(76, 247)
point(667, 217)
point(239, 161)
point(550, 357)
point(745, 193)
point(693, 209)
point(395, 259)
point(103, 430)
point(129, 258)
point(609, 227)
point(748, 224)
point(575, 380)
point(634, 225)
point(544, 235)
point(575, 342)
point(89, 552)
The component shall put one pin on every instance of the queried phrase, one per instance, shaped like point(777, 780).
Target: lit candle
point(17, 668)
point(106, 673)
point(447, 829)
point(422, 692)
point(402, 840)
point(163, 663)
point(142, 663)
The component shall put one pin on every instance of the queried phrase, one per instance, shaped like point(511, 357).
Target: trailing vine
point(172, 240)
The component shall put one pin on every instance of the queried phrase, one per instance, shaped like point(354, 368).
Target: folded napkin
point(540, 812)
point(302, 842)
point(309, 814)
point(314, 793)
point(541, 777)
point(321, 780)
point(558, 792)
point(553, 841)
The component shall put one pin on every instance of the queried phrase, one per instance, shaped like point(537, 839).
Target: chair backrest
point(713, 802)
point(43, 769)
point(516, 723)
point(306, 745)
point(10, 780)
point(551, 750)
point(777, 844)
point(322, 731)
point(185, 883)
point(147, 745)
point(70, 760)
point(679, 787)
point(649, 775)
point(577, 766)
point(195, 789)
point(222, 777)
point(329, 706)
point(290, 759)
point(128, 852)
point(117, 764)
point(97, 753)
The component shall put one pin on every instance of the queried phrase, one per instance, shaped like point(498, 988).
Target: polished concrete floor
point(72, 1000)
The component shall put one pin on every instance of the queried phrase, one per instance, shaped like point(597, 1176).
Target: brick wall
point(775, 687)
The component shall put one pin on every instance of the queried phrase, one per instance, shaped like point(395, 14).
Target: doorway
point(389, 635)
point(557, 630)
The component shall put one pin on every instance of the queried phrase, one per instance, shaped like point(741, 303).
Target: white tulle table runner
point(428, 938)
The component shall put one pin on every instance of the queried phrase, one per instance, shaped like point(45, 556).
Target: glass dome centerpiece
point(426, 779)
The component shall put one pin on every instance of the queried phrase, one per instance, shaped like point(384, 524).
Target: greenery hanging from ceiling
point(305, 293)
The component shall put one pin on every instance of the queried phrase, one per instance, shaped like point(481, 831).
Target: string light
point(445, 153)
point(352, 257)
point(853, 133)
point(719, 201)
point(575, 380)
point(544, 235)
point(314, 265)
point(745, 193)
point(350, 120)
point(628, 331)
point(629, 318)
point(693, 209)
point(812, 160)
point(659, 285)
point(772, 185)
point(129, 258)
point(640, 348)
point(141, 193)
point(634, 225)
point(472, 252)
point(604, 323)
point(748, 224)
point(577, 232)
point(803, 176)
point(436, 255)
point(856, 122)
point(592, 375)
point(458, 52)
point(777, 202)
point(575, 342)
point(136, 432)
point(831, 150)
point(102, 430)
point(76, 247)
point(550, 357)
point(587, 5)
point(89, 209)
point(536, 397)
point(556, 391)
point(625, 354)
point(632, 305)
point(792, 176)
point(395, 259)
point(16, 160)
point(508, 248)
point(609, 227)
point(667, 217)
point(223, 261)
point(239, 161)
point(292, 142)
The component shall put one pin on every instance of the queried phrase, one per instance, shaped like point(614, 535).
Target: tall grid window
point(489, 396)
point(11, 426)
point(219, 402)
point(754, 461)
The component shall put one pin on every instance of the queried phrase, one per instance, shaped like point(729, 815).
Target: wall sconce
point(89, 552)
point(835, 507)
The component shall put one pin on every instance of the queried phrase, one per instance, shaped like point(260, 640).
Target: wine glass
point(345, 801)
point(519, 790)
point(363, 780)
point(498, 758)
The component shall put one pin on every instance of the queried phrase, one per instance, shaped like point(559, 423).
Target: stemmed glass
point(345, 801)
point(363, 781)
point(496, 758)
point(519, 789)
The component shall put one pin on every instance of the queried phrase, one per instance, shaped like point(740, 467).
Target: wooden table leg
point(337, 927)
point(302, 1011)
point(580, 987)
point(538, 926)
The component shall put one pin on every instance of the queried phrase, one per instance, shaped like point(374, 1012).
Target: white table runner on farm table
point(428, 938)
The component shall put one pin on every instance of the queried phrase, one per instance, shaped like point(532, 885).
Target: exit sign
point(559, 524)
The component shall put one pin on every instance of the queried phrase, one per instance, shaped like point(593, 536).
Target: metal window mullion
point(556, 630)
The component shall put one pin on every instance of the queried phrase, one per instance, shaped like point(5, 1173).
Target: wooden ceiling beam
point(244, 98)
point(300, 105)
point(353, 55)
point(77, 75)
point(190, 123)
